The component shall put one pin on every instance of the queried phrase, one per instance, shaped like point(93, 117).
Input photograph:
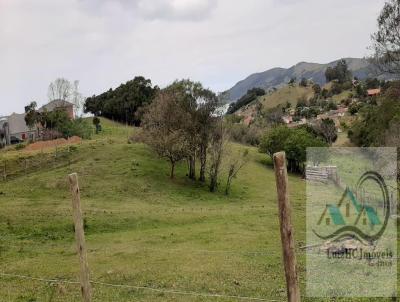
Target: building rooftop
point(55, 104)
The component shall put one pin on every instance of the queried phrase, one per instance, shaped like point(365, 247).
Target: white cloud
point(103, 42)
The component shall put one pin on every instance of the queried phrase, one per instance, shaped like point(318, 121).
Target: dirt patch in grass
point(53, 143)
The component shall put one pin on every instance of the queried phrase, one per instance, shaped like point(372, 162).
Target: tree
point(386, 41)
point(200, 103)
point(124, 103)
point(32, 117)
point(216, 152)
point(303, 82)
point(96, 123)
point(293, 141)
point(76, 98)
point(327, 129)
point(340, 72)
point(235, 164)
point(274, 139)
point(274, 116)
point(60, 89)
point(317, 88)
point(164, 134)
point(373, 121)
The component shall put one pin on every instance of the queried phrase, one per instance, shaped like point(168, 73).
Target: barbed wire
point(160, 290)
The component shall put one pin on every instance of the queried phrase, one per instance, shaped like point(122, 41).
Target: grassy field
point(144, 230)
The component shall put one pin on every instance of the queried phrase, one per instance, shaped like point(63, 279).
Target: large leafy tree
point(201, 104)
point(124, 103)
point(294, 142)
point(386, 41)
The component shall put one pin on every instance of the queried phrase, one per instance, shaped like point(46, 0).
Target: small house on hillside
point(248, 120)
point(59, 105)
point(287, 119)
point(373, 92)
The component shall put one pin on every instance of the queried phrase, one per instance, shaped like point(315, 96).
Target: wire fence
point(146, 288)
point(12, 168)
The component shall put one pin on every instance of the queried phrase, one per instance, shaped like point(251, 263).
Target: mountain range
point(278, 77)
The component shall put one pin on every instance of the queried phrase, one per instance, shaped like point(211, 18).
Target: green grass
point(143, 229)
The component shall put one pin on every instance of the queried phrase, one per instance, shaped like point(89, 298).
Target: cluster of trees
point(376, 122)
point(125, 103)
point(182, 123)
point(250, 96)
point(340, 73)
point(294, 142)
point(56, 123)
point(241, 133)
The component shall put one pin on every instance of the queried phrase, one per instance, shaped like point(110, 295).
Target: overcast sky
point(103, 43)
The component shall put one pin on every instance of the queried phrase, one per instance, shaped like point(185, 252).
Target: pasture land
point(144, 230)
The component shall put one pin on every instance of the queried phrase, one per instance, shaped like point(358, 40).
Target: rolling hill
point(278, 77)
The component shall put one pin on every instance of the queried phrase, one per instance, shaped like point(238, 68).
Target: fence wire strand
point(160, 290)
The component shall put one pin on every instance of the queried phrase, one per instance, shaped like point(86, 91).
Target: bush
point(244, 134)
point(78, 127)
point(20, 146)
point(293, 141)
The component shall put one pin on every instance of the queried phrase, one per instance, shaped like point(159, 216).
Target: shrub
point(20, 146)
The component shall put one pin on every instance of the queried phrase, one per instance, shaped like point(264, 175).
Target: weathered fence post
point(288, 247)
point(80, 237)
point(5, 171)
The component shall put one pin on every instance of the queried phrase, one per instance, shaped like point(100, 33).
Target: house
point(287, 119)
point(373, 92)
point(59, 105)
point(15, 129)
point(248, 120)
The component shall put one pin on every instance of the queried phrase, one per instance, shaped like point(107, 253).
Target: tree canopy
point(340, 72)
point(293, 141)
point(386, 41)
point(125, 102)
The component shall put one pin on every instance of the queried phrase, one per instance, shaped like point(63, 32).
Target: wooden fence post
point(5, 171)
point(288, 247)
point(80, 237)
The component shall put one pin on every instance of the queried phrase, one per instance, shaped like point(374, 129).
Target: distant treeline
point(124, 103)
point(251, 95)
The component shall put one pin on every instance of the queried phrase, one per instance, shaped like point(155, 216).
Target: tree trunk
point(172, 170)
point(213, 183)
point(228, 186)
point(192, 166)
point(203, 163)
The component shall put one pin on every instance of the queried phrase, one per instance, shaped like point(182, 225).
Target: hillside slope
point(277, 77)
point(143, 229)
point(281, 96)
